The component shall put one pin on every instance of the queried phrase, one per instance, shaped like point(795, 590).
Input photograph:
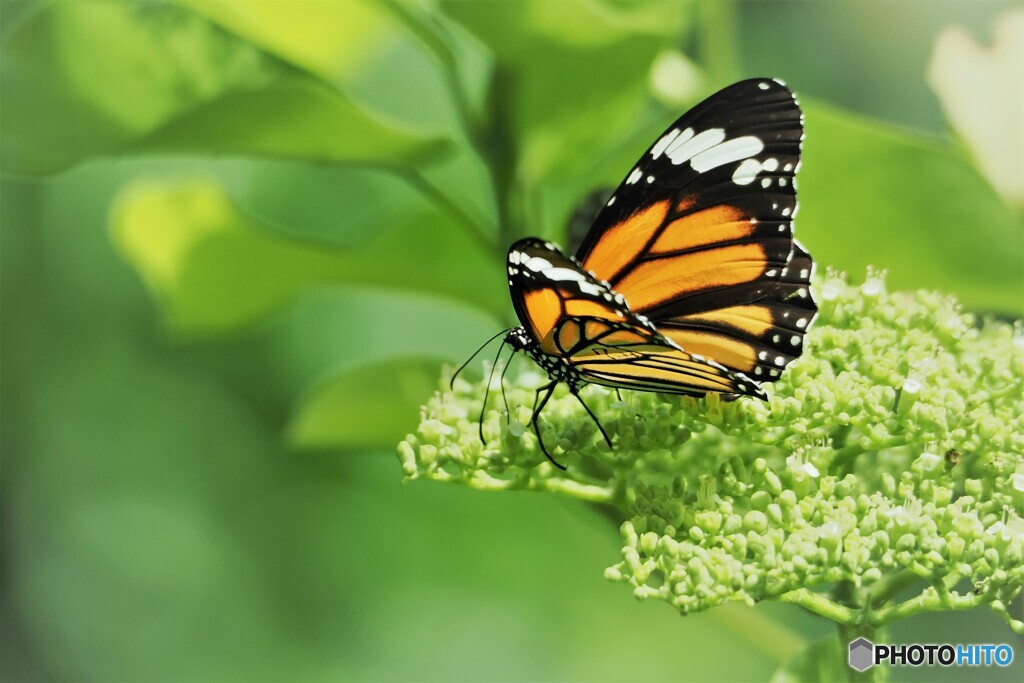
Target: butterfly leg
point(550, 389)
point(593, 417)
point(504, 398)
point(487, 392)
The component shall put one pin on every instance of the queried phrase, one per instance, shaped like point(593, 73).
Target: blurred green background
point(240, 238)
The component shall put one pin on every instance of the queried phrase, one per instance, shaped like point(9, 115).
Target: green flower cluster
point(891, 454)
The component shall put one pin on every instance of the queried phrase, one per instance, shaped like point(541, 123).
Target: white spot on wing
point(683, 150)
point(665, 141)
point(634, 176)
point(537, 264)
point(746, 172)
point(762, 86)
point(726, 153)
point(771, 165)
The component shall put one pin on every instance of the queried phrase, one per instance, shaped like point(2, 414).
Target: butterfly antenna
point(550, 389)
point(594, 418)
point(487, 387)
point(468, 360)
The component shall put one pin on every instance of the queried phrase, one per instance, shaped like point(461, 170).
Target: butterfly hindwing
point(575, 317)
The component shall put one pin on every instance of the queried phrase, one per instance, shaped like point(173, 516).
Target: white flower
point(980, 88)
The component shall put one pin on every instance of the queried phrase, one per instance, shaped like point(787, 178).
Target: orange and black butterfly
point(689, 280)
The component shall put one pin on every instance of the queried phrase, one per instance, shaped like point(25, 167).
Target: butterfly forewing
point(698, 237)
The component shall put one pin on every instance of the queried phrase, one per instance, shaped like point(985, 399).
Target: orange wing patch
point(627, 337)
point(594, 328)
point(544, 308)
point(568, 335)
point(671, 277)
point(581, 308)
point(624, 242)
point(717, 347)
point(722, 223)
point(755, 320)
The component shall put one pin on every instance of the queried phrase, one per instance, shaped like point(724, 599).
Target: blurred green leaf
point(170, 81)
point(872, 194)
point(330, 332)
point(351, 412)
point(215, 269)
point(295, 118)
point(357, 46)
point(552, 125)
point(344, 206)
point(405, 66)
point(821, 661)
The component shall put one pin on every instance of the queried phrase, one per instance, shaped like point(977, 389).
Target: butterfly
point(689, 281)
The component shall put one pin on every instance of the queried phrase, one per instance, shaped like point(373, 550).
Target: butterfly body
point(689, 280)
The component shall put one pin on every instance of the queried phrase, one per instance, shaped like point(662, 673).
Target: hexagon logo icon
point(862, 654)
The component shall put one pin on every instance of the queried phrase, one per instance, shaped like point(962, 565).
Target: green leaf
point(385, 57)
point(357, 46)
point(821, 661)
point(215, 269)
point(294, 118)
point(328, 333)
point(873, 194)
point(561, 122)
point(350, 411)
point(171, 81)
point(341, 206)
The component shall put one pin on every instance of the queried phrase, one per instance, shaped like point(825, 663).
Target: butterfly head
point(518, 339)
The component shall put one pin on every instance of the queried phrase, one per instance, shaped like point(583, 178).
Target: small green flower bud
point(906, 542)
point(760, 500)
point(772, 482)
point(871, 575)
point(755, 521)
point(888, 485)
point(709, 521)
point(648, 541)
point(907, 396)
point(928, 464)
